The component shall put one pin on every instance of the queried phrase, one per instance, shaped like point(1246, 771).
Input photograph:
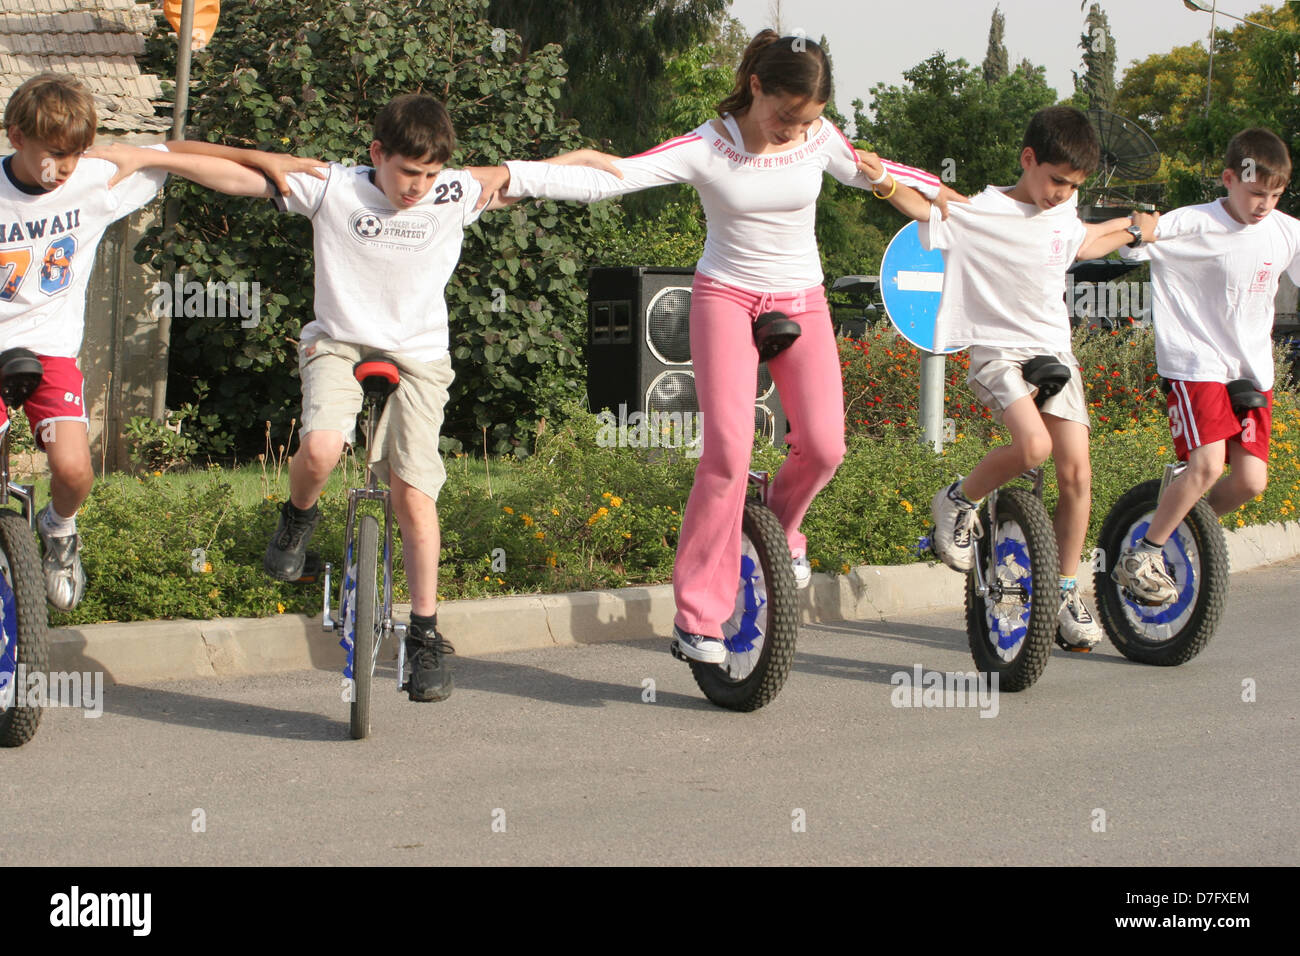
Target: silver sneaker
point(1142, 573)
point(65, 581)
point(956, 526)
point(1078, 627)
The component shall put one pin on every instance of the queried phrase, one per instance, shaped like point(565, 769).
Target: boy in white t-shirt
point(1215, 270)
point(55, 205)
point(386, 239)
point(1006, 254)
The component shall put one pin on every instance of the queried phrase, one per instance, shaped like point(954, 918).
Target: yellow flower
point(616, 501)
point(279, 608)
point(207, 567)
point(1240, 523)
point(814, 562)
point(507, 509)
point(554, 512)
point(1161, 450)
point(540, 535)
point(499, 581)
point(550, 559)
point(605, 494)
point(157, 474)
point(528, 522)
point(214, 594)
point(844, 569)
point(486, 578)
point(907, 505)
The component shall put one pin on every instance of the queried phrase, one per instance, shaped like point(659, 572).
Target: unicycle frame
point(371, 492)
point(986, 579)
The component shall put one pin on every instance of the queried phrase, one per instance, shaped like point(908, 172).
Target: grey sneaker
point(1076, 623)
point(802, 570)
point(1142, 573)
point(956, 526)
point(706, 650)
point(65, 581)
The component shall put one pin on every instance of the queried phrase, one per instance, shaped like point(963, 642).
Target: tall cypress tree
point(1097, 84)
point(996, 63)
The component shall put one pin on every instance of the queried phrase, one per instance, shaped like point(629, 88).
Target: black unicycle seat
point(20, 373)
point(1047, 374)
point(774, 332)
point(1244, 396)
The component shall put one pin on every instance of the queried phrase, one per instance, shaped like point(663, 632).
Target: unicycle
point(24, 628)
point(764, 624)
point(1195, 556)
point(1011, 606)
point(760, 635)
point(365, 612)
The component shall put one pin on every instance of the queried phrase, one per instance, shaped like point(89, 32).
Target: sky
point(873, 41)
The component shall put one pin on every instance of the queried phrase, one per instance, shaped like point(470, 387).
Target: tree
point(996, 63)
point(309, 77)
point(947, 120)
point(1096, 88)
point(617, 52)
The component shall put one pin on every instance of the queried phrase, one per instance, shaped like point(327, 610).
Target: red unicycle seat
point(378, 377)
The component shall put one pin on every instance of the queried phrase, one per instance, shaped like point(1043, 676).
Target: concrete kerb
point(237, 647)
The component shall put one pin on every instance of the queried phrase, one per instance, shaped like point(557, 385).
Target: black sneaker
point(286, 555)
point(430, 675)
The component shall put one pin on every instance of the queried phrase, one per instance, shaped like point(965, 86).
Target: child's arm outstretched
point(237, 172)
point(902, 197)
point(1106, 237)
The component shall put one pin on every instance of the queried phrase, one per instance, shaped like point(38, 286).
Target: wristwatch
point(1136, 232)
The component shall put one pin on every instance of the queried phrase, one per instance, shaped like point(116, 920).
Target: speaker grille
point(672, 392)
point(668, 326)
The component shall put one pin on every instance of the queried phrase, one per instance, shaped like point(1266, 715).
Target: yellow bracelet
point(888, 194)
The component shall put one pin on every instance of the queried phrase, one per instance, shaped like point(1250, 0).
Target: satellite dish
point(1127, 152)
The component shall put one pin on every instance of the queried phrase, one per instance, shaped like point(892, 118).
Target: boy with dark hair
point(386, 239)
point(1006, 254)
point(54, 208)
point(1215, 270)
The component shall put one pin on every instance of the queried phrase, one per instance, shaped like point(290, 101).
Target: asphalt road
point(557, 757)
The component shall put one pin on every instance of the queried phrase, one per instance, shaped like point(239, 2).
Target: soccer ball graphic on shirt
point(368, 226)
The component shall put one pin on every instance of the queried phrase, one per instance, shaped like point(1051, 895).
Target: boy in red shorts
point(54, 208)
point(1215, 270)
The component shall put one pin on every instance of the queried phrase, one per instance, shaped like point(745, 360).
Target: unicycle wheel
point(24, 631)
point(1011, 630)
point(366, 630)
point(1196, 556)
point(760, 635)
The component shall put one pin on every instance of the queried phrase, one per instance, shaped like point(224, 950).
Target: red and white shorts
point(59, 398)
point(1200, 413)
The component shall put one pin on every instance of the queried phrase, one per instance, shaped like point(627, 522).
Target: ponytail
point(794, 66)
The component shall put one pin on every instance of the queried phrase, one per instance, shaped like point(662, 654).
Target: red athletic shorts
point(59, 398)
point(1201, 414)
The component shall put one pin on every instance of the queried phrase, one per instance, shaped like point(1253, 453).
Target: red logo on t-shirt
point(1056, 254)
point(1262, 277)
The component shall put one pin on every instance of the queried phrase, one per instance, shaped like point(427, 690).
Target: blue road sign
point(911, 282)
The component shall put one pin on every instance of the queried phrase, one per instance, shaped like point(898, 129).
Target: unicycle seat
point(774, 332)
point(20, 373)
point(1047, 374)
point(378, 377)
point(1244, 396)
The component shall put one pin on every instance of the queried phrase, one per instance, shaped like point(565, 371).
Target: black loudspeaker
point(639, 347)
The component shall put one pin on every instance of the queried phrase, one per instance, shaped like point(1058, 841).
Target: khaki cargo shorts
point(407, 434)
point(996, 380)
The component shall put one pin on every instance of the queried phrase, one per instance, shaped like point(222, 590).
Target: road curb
point(238, 647)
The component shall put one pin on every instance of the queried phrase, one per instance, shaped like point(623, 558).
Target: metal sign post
point(911, 283)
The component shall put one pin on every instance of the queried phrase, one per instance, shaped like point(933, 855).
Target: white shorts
point(996, 379)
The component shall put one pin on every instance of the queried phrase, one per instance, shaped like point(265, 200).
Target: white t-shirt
point(1004, 271)
point(381, 272)
point(47, 250)
point(760, 208)
point(1213, 283)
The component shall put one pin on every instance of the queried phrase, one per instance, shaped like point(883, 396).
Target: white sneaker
point(802, 569)
point(956, 526)
point(706, 650)
point(1078, 628)
point(1142, 573)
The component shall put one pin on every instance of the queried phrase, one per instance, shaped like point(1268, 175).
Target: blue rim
point(1182, 561)
point(8, 634)
point(743, 632)
point(1007, 632)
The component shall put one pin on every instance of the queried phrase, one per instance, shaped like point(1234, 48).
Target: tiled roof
point(95, 40)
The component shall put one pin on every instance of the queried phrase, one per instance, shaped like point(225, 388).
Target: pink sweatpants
point(807, 375)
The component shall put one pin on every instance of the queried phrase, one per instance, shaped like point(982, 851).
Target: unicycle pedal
point(676, 651)
point(1067, 646)
point(311, 569)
